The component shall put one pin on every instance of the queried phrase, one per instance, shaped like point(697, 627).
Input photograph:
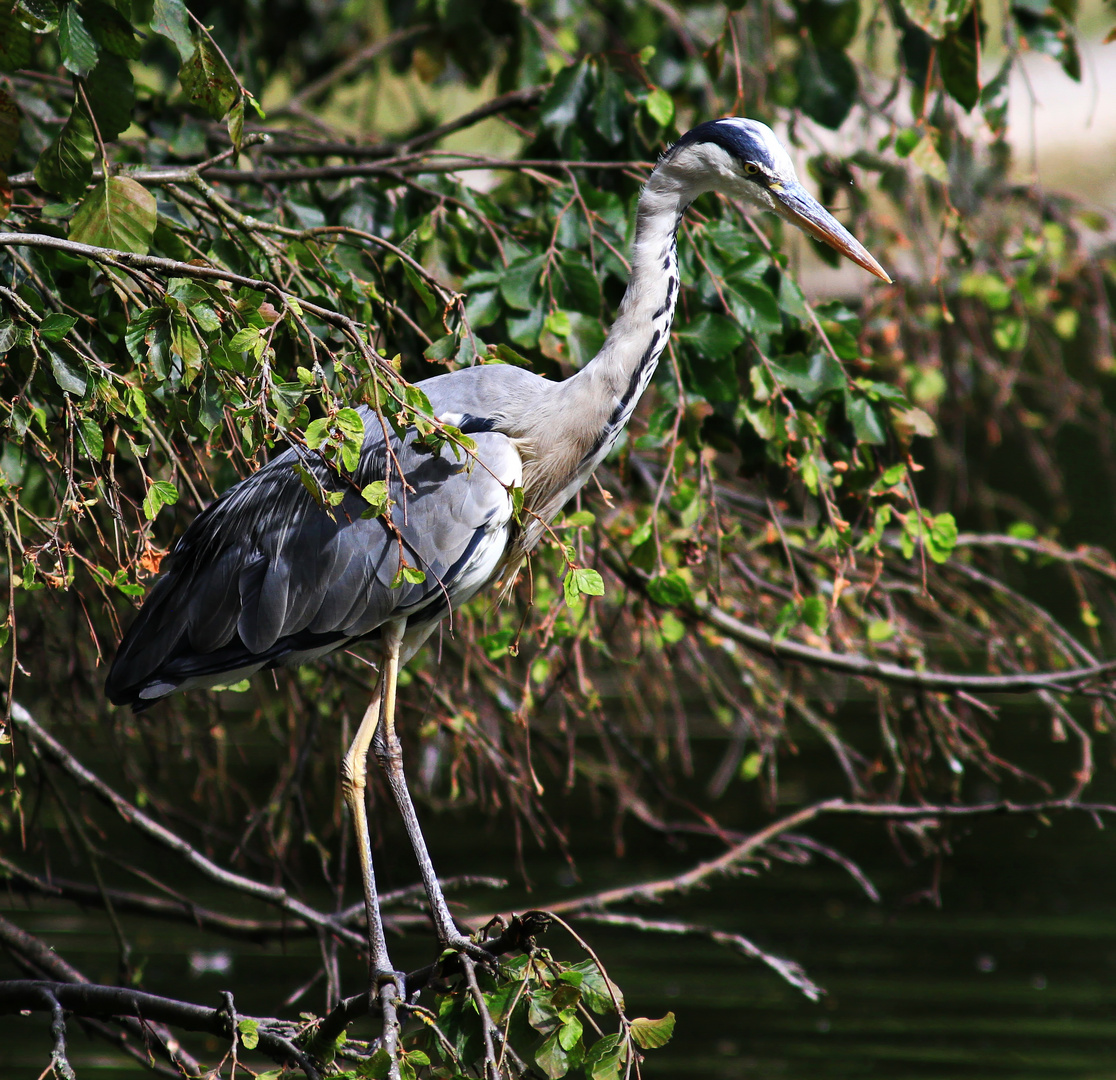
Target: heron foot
point(379, 979)
point(459, 943)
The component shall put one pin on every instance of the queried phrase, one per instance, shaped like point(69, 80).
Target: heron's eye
point(751, 168)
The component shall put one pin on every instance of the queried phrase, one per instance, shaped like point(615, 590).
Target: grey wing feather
point(266, 574)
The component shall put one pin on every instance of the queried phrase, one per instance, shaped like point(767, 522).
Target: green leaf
point(377, 1067)
point(15, 41)
point(9, 334)
point(605, 1059)
point(505, 354)
point(815, 613)
point(186, 347)
point(569, 1034)
point(1010, 332)
point(659, 106)
point(169, 20)
point(957, 60)
point(1022, 530)
point(206, 317)
point(866, 423)
point(90, 438)
point(842, 327)
point(148, 336)
point(608, 107)
point(68, 369)
point(1046, 30)
point(576, 287)
point(112, 94)
point(938, 534)
point(249, 1034)
point(566, 95)
point(925, 155)
point(991, 289)
point(317, 431)
point(235, 124)
point(410, 575)
point(812, 376)
point(75, 42)
point(580, 581)
point(827, 85)
point(351, 427)
point(66, 165)
point(38, 16)
point(55, 327)
point(906, 141)
point(525, 331)
point(669, 589)
point(376, 495)
point(711, 335)
point(595, 988)
point(832, 23)
point(558, 323)
point(111, 29)
point(880, 630)
point(519, 285)
point(751, 765)
point(118, 213)
point(652, 1034)
point(496, 645)
point(936, 17)
point(552, 1058)
point(420, 286)
point(757, 309)
point(943, 537)
point(482, 309)
point(248, 340)
point(207, 80)
point(161, 493)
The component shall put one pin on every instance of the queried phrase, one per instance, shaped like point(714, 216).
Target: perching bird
point(266, 576)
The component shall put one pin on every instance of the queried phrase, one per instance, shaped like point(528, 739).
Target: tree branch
point(113, 1002)
point(789, 970)
point(407, 165)
point(732, 860)
point(34, 956)
point(43, 742)
point(130, 260)
point(1072, 680)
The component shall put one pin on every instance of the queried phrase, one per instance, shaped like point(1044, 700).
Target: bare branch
point(43, 742)
point(91, 1000)
point(1072, 680)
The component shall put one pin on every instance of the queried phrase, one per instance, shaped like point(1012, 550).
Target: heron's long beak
point(799, 207)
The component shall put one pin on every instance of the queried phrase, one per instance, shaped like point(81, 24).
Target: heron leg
point(389, 753)
point(354, 776)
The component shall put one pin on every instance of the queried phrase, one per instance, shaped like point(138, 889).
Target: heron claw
point(380, 979)
point(459, 943)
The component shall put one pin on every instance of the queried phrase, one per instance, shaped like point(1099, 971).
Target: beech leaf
point(118, 213)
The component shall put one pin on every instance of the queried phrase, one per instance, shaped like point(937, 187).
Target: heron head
point(743, 159)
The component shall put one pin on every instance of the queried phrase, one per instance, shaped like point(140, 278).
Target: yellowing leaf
point(660, 106)
point(925, 155)
point(208, 82)
point(651, 1034)
point(118, 213)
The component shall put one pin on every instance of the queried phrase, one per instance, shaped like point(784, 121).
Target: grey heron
point(265, 576)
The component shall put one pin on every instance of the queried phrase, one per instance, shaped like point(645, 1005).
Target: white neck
point(608, 389)
point(578, 421)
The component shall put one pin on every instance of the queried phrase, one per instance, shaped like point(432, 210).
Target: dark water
point(1013, 977)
